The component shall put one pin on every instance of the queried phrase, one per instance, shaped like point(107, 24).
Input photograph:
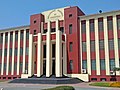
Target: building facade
point(63, 41)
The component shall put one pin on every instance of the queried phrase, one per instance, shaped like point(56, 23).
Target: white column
point(39, 56)
point(13, 49)
point(58, 51)
point(97, 48)
point(3, 50)
point(64, 57)
point(116, 43)
point(8, 49)
point(106, 47)
point(88, 47)
point(24, 51)
point(48, 59)
point(30, 60)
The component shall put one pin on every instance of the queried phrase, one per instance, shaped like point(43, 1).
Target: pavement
point(22, 86)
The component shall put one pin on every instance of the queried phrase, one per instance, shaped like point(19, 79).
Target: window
point(16, 52)
point(27, 35)
point(70, 29)
point(21, 51)
point(21, 36)
point(4, 67)
point(62, 29)
point(71, 65)
point(83, 46)
point(84, 64)
point(111, 44)
point(70, 47)
point(35, 32)
point(110, 24)
point(83, 27)
point(10, 66)
point(91, 25)
point(118, 23)
point(5, 52)
point(1, 39)
point(21, 64)
point(53, 29)
point(101, 44)
point(10, 51)
point(6, 38)
point(112, 64)
point(92, 45)
point(45, 31)
point(35, 21)
point(27, 50)
point(70, 15)
point(0, 67)
point(102, 64)
point(16, 37)
point(93, 64)
point(26, 66)
point(44, 51)
point(100, 25)
point(1, 52)
point(119, 43)
point(15, 66)
point(11, 37)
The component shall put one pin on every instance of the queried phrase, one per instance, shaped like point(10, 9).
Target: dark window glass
point(5, 52)
point(4, 67)
point(53, 50)
point(11, 37)
point(83, 27)
point(102, 64)
point(71, 47)
point(44, 51)
point(84, 64)
point(91, 26)
point(53, 29)
point(35, 32)
point(1, 39)
point(110, 24)
point(16, 37)
point(100, 26)
point(71, 65)
point(21, 35)
point(70, 15)
point(92, 46)
point(112, 64)
point(62, 29)
point(111, 44)
point(10, 51)
point(1, 52)
point(10, 66)
point(21, 64)
point(27, 50)
point(45, 31)
point(21, 51)
point(27, 35)
point(83, 46)
point(101, 44)
point(0, 67)
point(6, 38)
point(118, 23)
point(16, 51)
point(26, 67)
point(35, 21)
point(119, 43)
point(93, 64)
point(70, 29)
point(15, 66)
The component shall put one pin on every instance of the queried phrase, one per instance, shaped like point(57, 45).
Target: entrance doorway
point(53, 67)
point(44, 67)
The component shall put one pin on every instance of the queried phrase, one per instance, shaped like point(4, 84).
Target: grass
point(61, 88)
point(106, 84)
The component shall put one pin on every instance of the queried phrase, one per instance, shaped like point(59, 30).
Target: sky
point(17, 12)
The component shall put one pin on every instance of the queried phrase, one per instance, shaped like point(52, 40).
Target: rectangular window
point(91, 22)
point(93, 64)
point(53, 29)
point(92, 45)
point(27, 50)
point(71, 65)
point(84, 64)
point(4, 67)
point(0, 52)
point(10, 51)
point(26, 66)
point(0, 67)
point(21, 51)
point(45, 31)
point(27, 35)
point(70, 29)
point(10, 66)
point(35, 32)
point(83, 27)
point(119, 43)
point(16, 51)
point(112, 64)
point(5, 52)
point(21, 64)
point(71, 47)
point(11, 37)
point(44, 51)
point(6, 38)
point(62, 29)
point(102, 64)
point(118, 23)
point(110, 24)
point(101, 44)
point(1, 38)
point(21, 35)
point(15, 66)
point(100, 25)
point(16, 37)
point(111, 44)
point(83, 46)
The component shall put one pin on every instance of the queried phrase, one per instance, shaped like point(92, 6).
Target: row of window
point(15, 52)
point(101, 45)
point(16, 37)
point(100, 25)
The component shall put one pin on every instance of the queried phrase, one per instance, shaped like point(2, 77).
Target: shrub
point(61, 88)
point(115, 84)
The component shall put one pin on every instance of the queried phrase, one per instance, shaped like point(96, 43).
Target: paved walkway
point(79, 86)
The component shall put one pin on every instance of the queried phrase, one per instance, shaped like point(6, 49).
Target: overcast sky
point(17, 12)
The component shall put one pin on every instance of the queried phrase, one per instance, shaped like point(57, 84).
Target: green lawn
point(101, 84)
point(61, 88)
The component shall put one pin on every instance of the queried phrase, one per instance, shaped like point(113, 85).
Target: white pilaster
point(88, 47)
point(8, 49)
point(48, 59)
point(116, 43)
point(97, 48)
point(24, 51)
point(30, 60)
point(106, 46)
point(39, 56)
point(3, 50)
point(13, 49)
point(58, 51)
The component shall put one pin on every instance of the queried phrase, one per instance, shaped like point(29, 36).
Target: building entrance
point(44, 67)
point(53, 67)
